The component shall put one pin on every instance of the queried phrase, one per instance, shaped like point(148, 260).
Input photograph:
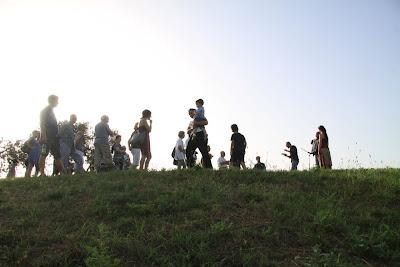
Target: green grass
point(203, 218)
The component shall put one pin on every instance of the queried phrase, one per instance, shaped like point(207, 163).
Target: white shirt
point(179, 155)
point(221, 162)
point(191, 125)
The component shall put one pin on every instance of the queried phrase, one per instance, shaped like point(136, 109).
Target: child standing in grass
point(180, 153)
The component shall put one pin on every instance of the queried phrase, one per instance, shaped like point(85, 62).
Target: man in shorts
point(293, 155)
point(49, 136)
point(102, 152)
point(238, 148)
point(67, 145)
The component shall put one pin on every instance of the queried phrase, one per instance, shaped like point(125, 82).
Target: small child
point(126, 159)
point(222, 162)
point(180, 155)
point(200, 116)
point(200, 113)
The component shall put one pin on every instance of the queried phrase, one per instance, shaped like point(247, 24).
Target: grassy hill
point(202, 218)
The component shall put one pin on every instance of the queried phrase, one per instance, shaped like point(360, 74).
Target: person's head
point(199, 103)
point(53, 100)
point(73, 118)
point(258, 159)
point(146, 114)
point(288, 144)
point(35, 134)
point(118, 139)
point(234, 128)
point(192, 112)
point(181, 134)
point(105, 119)
point(317, 135)
point(322, 129)
point(222, 153)
point(82, 127)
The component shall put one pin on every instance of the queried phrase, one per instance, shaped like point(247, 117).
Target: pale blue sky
point(276, 68)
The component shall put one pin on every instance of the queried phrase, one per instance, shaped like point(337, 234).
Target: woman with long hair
point(145, 126)
point(324, 154)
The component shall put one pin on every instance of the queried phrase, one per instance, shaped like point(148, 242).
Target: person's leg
point(294, 165)
point(107, 156)
point(28, 170)
point(97, 156)
point(202, 146)
point(77, 156)
point(135, 157)
point(321, 159)
point(190, 149)
point(235, 160)
point(119, 164)
point(242, 163)
point(55, 151)
point(42, 162)
point(180, 164)
point(59, 166)
point(316, 161)
point(65, 152)
point(236, 164)
point(148, 158)
point(142, 160)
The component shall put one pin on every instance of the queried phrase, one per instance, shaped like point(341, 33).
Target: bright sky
point(278, 69)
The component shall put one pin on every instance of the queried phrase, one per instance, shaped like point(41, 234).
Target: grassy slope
point(338, 218)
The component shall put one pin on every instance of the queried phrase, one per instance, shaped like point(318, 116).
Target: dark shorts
point(237, 158)
point(52, 146)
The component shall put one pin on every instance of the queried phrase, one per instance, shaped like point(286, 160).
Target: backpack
point(26, 148)
point(112, 149)
point(173, 153)
point(137, 139)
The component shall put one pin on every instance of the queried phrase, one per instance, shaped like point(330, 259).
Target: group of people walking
point(65, 142)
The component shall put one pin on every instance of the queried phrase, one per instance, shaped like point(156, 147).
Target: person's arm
point(320, 142)
point(180, 148)
point(232, 146)
point(29, 143)
point(109, 131)
point(292, 151)
point(43, 124)
point(118, 149)
point(200, 123)
point(144, 123)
